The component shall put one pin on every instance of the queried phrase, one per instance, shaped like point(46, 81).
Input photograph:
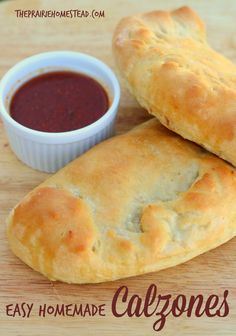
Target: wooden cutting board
point(211, 273)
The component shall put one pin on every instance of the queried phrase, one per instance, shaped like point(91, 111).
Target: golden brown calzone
point(136, 203)
point(174, 74)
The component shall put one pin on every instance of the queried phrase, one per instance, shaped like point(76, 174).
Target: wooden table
point(210, 273)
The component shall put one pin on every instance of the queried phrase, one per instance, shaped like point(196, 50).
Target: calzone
point(172, 71)
point(136, 203)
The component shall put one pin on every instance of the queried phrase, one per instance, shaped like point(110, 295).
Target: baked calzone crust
point(172, 71)
point(139, 202)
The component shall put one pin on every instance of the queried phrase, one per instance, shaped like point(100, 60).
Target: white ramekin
point(50, 151)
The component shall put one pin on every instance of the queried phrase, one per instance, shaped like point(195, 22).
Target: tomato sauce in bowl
point(59, 101)
point(61, 113)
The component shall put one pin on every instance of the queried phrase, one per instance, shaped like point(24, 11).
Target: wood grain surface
point(210, 273)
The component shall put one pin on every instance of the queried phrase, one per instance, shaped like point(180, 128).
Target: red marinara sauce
point(59, 101)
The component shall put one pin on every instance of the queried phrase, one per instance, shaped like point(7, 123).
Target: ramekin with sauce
point(47, 111)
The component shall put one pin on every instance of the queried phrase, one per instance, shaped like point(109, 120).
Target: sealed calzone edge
point(137, 203)
point(174, 74)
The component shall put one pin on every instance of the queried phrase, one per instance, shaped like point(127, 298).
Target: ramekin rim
point(69, 134)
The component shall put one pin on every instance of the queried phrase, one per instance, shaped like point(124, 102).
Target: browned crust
point(136, 203)
point(174, 74)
